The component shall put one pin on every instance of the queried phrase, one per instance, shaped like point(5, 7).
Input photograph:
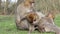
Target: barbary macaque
point(45, 25)
point(50, 19)
point(21, 12)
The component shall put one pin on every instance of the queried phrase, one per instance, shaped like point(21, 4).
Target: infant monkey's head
point(32, 17)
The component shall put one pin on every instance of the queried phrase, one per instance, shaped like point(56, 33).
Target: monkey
point(21, 12)
point(50, 18)
point(32, 19)
point(32, 16)
point(45, 25)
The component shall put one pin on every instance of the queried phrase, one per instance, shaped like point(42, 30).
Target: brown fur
point(32, 17)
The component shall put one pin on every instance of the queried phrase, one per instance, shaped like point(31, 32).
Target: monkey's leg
point(21, 22)
point(52, 27)
point(17, 20)
point(31, 28)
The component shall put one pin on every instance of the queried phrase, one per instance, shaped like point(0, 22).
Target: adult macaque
point(21, 12)
point(45, 25)
point(50, 19)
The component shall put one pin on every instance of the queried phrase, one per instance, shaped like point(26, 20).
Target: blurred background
point(7, 7)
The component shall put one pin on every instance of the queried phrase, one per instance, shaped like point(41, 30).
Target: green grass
point(7, 26)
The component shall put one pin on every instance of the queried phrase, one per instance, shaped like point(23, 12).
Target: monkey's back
point(22, 10)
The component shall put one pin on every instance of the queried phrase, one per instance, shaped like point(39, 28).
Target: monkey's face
point(30, 2)
point(32, 18)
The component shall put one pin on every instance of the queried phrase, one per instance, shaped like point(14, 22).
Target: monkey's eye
point(32, 2)
point(34, 19)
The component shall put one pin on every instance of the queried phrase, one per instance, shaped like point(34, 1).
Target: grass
point(7, 26)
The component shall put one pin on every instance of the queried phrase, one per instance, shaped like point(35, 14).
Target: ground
point(7, 25)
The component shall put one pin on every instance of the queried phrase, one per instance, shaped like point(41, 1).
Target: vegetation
point(45, 6)
point(48, 5)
